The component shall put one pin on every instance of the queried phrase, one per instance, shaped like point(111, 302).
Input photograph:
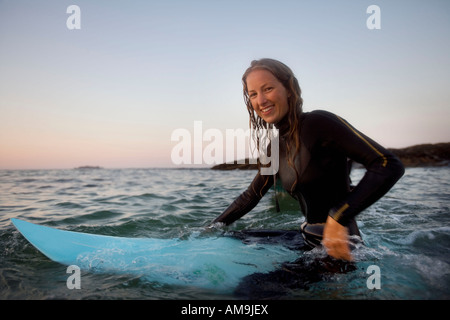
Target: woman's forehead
point(260, 77)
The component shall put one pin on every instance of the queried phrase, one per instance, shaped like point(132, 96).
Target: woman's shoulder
point(317, 117)
point(320, 125)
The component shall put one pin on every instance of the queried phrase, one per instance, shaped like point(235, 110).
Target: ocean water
point(406, 234)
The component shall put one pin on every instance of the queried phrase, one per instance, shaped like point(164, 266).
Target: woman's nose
point(261, 99)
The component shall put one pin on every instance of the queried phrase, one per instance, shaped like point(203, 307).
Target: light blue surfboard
point(209, 262)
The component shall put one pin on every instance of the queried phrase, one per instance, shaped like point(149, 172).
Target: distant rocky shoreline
point(88, 167)
point(423, 155)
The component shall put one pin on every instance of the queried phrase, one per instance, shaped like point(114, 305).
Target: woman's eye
point(268, 89)
point(252, 95)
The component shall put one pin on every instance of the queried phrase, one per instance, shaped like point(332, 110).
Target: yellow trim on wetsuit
point(338, 214)
point(367, 142)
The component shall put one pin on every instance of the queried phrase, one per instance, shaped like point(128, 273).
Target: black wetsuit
point(323, 184)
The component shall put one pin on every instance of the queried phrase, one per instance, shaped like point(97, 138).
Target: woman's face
point(268, 96)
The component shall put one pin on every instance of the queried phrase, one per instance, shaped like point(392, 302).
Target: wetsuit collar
point(283, 126)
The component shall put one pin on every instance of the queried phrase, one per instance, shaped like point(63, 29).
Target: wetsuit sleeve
point(247, 200)
point(383, 169)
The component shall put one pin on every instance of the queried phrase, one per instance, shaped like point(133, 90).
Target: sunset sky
point(113, 92)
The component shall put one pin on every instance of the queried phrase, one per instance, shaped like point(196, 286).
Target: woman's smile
point(267, 110)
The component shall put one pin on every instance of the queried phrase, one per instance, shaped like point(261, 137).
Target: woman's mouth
point(267, 110)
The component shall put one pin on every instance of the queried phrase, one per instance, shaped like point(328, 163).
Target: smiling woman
point(314, 149)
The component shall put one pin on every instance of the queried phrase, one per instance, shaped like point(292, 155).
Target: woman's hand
point(335, 240)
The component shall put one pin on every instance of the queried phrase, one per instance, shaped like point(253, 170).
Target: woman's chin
point(270, 120)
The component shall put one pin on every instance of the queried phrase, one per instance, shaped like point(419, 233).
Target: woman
point(314, 149)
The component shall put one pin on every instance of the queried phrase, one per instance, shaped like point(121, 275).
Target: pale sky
point(113, 92)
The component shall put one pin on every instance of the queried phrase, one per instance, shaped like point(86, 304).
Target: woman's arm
point(383, 170)
point(247, 200)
